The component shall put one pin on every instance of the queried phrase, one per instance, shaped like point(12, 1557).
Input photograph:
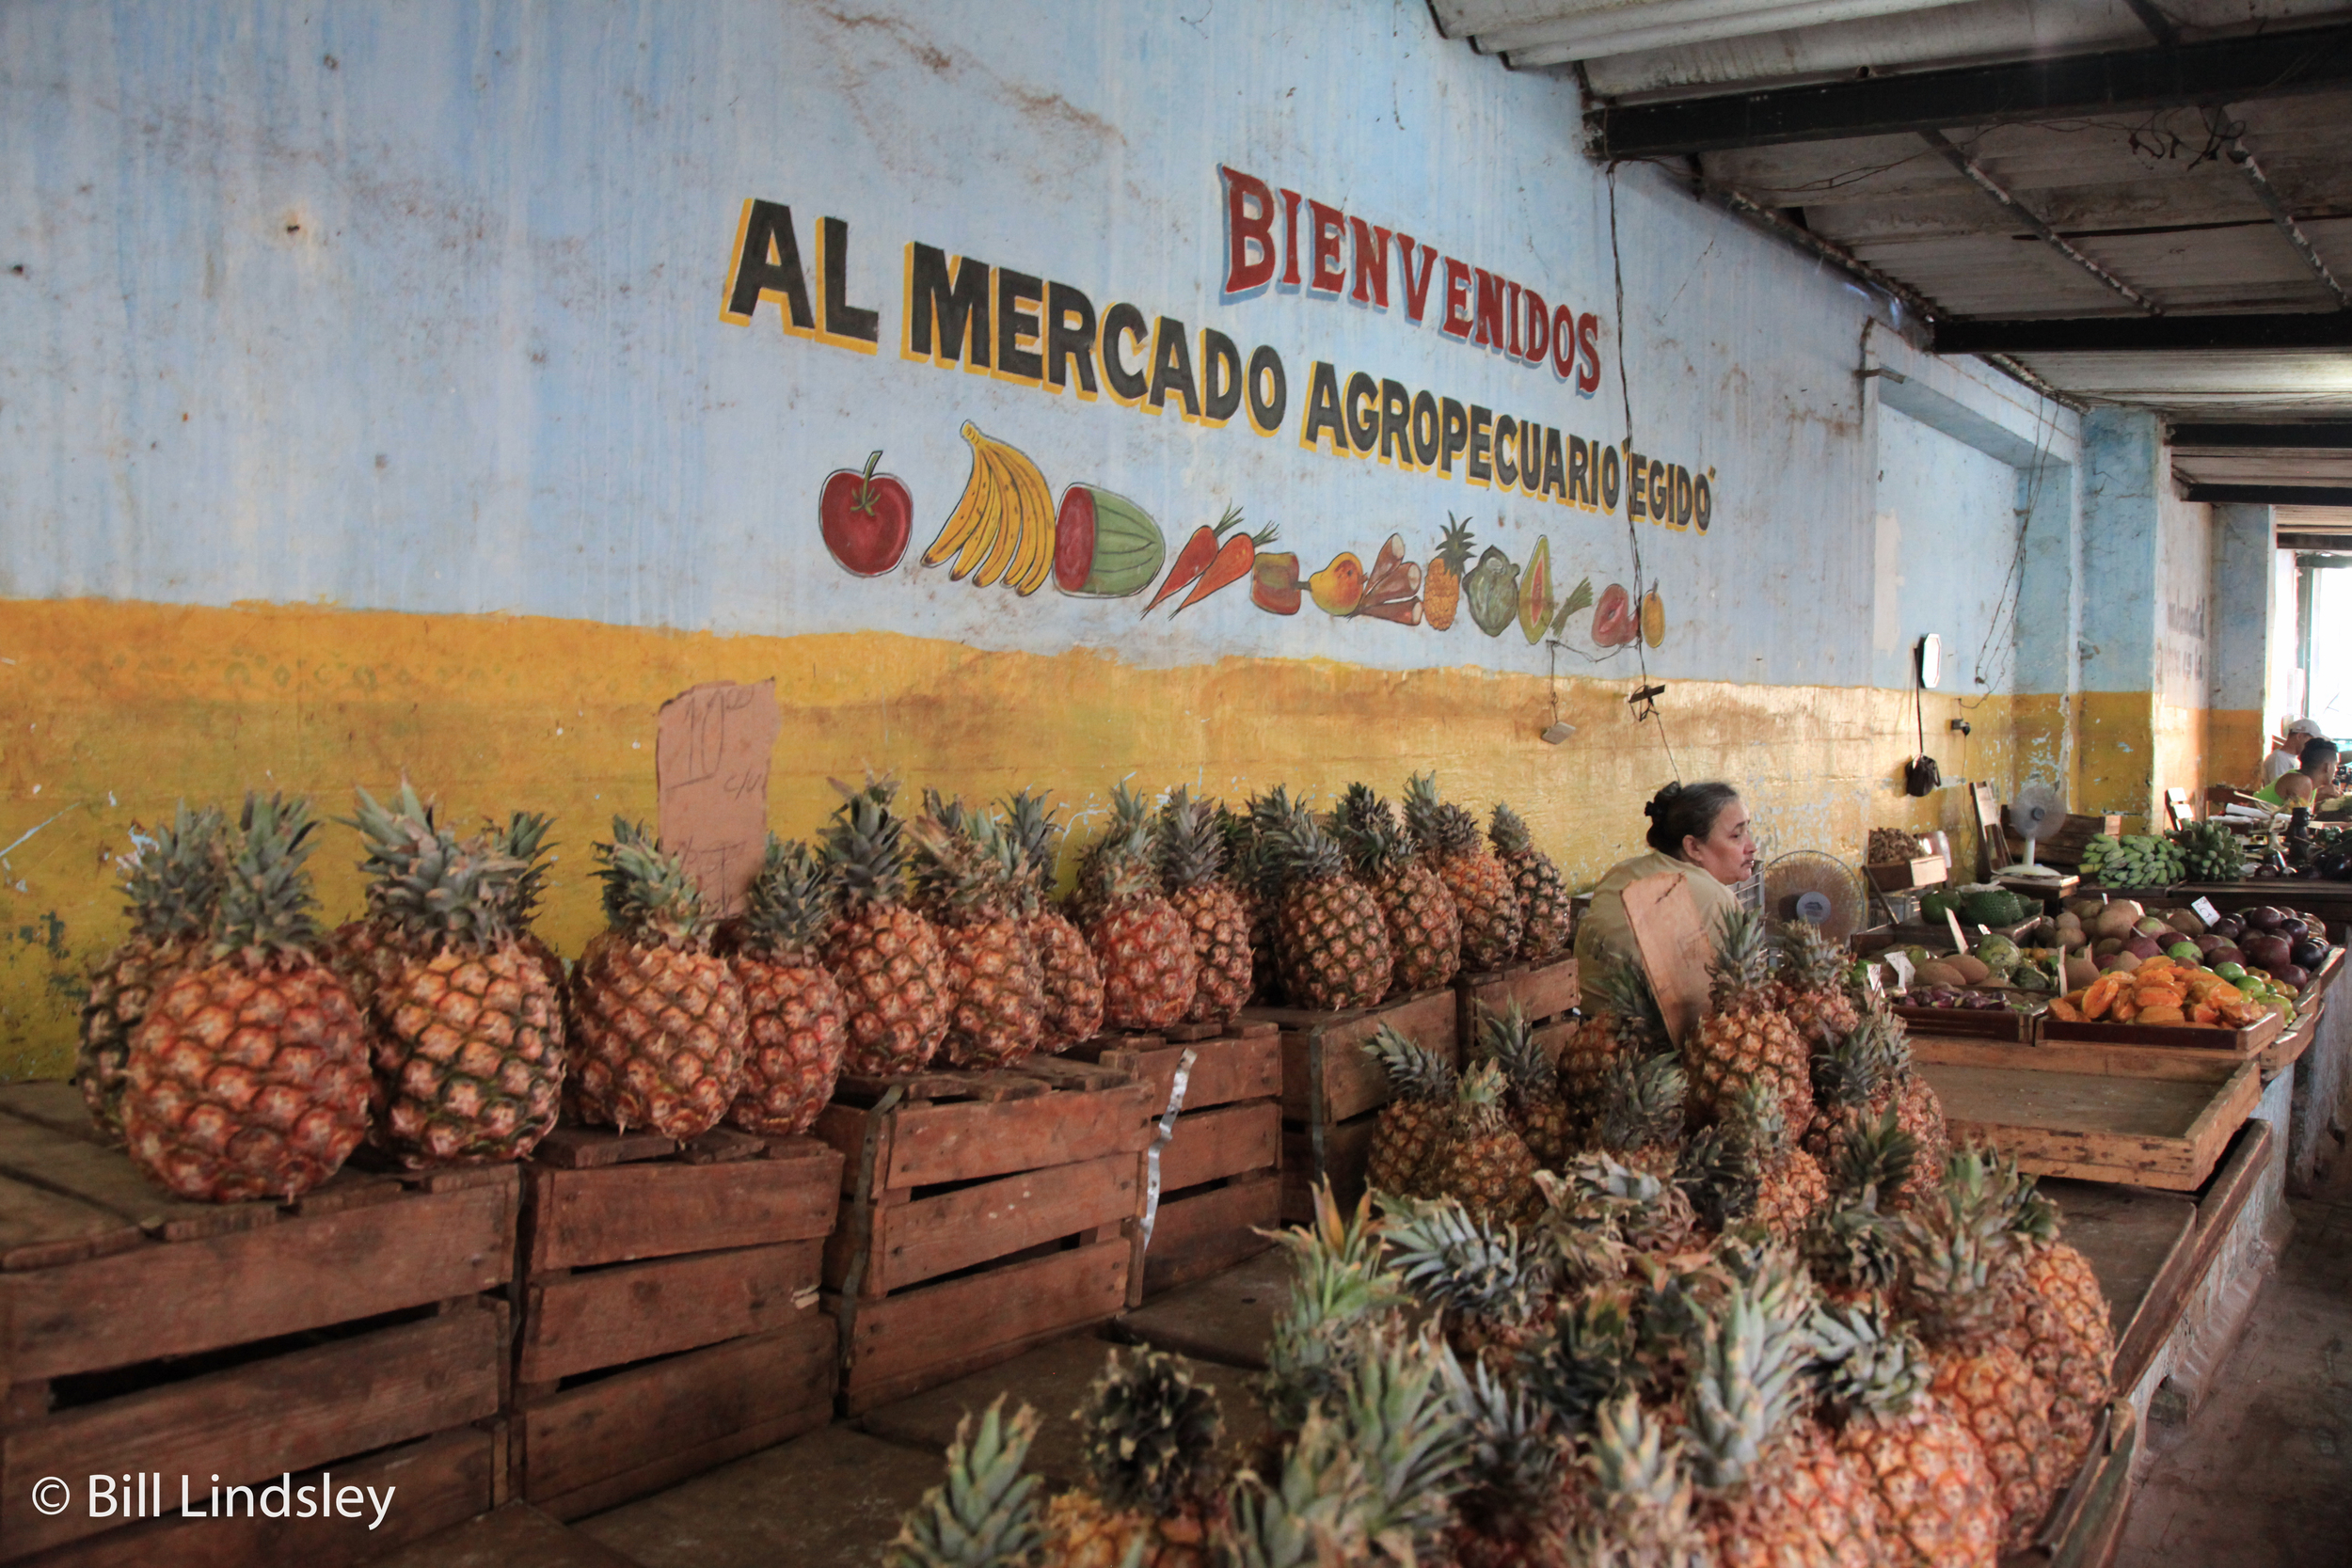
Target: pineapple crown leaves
point(1626, 995)
point(1421, 805)
point(172, 878)
point(1507, 831)
point(967, 871)
point(1339, 1289)
point(1151, 1434)
point(397, 838)
point(1191, 840)
point(1376, 843)
point(1031, 823)
point(1300, 850)
point(1414, 1071)
point(525, 839)
point(1642, 1101)
point(1514, 1457)
point(790, 900)
point(1758, 1124)
point(1852, 1244)
point(1453, 1260)
point(428, 886)
point(1453, 545)
point(1643, 1502)
point(1479, 1100)
point(1395, 1413)
point(1816, 961)
point(1453, 832)
point(266, 912)
point(1744, 959)
point(986, 1513)
point(1955, 1244)
point(1507, 1038)
point(950, 815)
point(1601, 1211)
point(866, 845)
point(1852, 1070)
point(1585, 1361)
point(1717, 1176)
point(649, 896)
point(1864, 1361)
point(2032, 1218)
point(1358, 807)
point(1748, 1370)
point(1317, 1511)
point(1874, 1159)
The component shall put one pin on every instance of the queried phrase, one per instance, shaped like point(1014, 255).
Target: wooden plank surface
point(928, 1237)
point(580, 1218)
point(1226, 1140)
point(54, 1103)
point(933, 1144)
point(105, 1178)
point(940, 1332)
point(2248, 1041)
point(2116, 1061)
point(40, 1230)
point(573, 1147)
point(1209, 1232)
point(2162, 1133)
point(591, 1447)
point(634, 1311)
point(1346, 1158)
point(249, 1423)
point(1228, 1069)
point(304, 1273)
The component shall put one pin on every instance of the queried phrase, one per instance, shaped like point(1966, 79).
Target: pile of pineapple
point(245, 1052)
point(1684, 1340)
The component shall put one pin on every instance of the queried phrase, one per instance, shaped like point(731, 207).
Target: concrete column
point(2124, 477)
point(2049, 623)
point(2239, 723)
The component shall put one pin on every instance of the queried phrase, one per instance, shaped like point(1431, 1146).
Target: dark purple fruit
point(2292, 976)
point(2309, 955)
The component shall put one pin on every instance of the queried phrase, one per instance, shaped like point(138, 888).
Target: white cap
point(2307, 726)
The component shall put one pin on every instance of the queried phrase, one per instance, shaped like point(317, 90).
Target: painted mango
point(1613, 618)
point(1339, 588)
point(1273, 583)
point(1106, 547)
point(1535, 598)
point(1492, 589)
point(1653, 618)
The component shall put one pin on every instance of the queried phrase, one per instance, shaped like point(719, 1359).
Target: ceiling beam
point(2021, 214)
point(2237, 69)
point(2276, 205)
point(2133, 334)
point(2318, 435)
point(2315, 542)
point(2268, 494)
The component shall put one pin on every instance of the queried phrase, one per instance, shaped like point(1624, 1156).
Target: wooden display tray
point(2246, 1043)
point(2151, 1118)
point(2284, 1051)
point(1544, 991)
point(1332, 1091)
point(2323, 976)
point(1990, 1023)
point(1898, 875)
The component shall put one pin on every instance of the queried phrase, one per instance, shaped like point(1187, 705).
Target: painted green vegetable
point(1106, 547)
point(1492, 589)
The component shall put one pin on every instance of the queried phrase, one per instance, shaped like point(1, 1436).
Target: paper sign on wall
point(1673, 947)
point(710, 765)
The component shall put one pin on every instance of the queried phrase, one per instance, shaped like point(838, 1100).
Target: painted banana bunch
point(1002, 529)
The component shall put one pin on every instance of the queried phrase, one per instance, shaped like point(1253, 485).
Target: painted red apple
point(867, 518)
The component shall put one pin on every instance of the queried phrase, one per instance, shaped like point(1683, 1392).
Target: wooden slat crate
point(693, 1268)
point(1545, 991)
point(142, 1333)
point(983, 1212)
point(1221, 1172)
point(1332, 1091)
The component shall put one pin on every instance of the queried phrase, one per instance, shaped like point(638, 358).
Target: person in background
point(2286, 752)
point(1699, 831)
point(2317, 771)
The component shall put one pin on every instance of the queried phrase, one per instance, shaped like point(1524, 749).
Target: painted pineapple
point(1192, 867)
point(794, 1016)
point(1424, 932)
point(249, 1075)
point(1073, 981)
point(1745, 1039)
point(1531, 1092)
point(1547, 919)
point(171, 882)
point(1937, 1506)
point(1151, 1495)
point(1441, 581)
point(1331, 939)
point(1790, 1183)
point(885, 957)
point(1142, 943)
point(1481, 890)
point(2056, 1317)
point(967, 883)
point(468, 1045)
point(1405, 1140)
point(1481, 1163)
point(1627, 1024)
point(658, 1033)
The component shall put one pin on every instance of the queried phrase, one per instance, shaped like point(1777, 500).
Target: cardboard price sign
point(1673, 947)
point(2205, 910)
point(711, 762)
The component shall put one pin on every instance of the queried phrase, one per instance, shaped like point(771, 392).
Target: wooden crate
point(2247, 1042)
point(2004, 1023)
point(1331, 1090)
point(1219, 1175)
point(2151, 1116)
point(142, 1333)
point(1901, 876)
point(695, 1269)
point(1545, 991)
point(984, 1212)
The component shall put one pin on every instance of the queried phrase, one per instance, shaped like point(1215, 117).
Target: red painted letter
point(1245, 228)
point(1372, 264)
point(1588, 338)
point(1416, 293)
point(1329, 228)
point(1539, 328)
point(1458, 318)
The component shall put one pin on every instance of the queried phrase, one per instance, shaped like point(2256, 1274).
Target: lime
point(2232, 972)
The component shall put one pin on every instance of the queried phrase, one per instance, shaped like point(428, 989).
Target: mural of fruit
point(1195, 557)
point(1492, 589)
point(1442, 593)
point(1236, 559)
point(867, 518)
point(1612, 620)
point(1273, 583)
point(1536, 603)
point(1106, 547)
point(1653, 618)
point(1339, 588)
point(1392, 589)
point(1003, 526)
point(1579, 597)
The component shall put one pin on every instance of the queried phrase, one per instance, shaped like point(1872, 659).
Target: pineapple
point(1143, 944)
point(1073, 981)
point(172, 881)
point(1129, 812)
point(1151, 1494)
point(369, 952)
point(1772, 1490)
point(886, 957)
point(1639, 1510)
point(1937, 1507)
point(1483, 894)
point(1955, 1245)
point(1812, 985)
point(1405, 1139)
point(1489, 1284)
point(1852, 1253)
point(525, 839)
point(249, 1075)
point(1192, 865)
point(1510, 1511)
point(1913, 1100)
point(1641, 1117)
point(1424, 933)
point(1331, 938)
point(1744, 1038)
point(1628, 1025)
point(1317, 1512)
point(1339, 1292)
point(2056, 1317)
point(658, 1033)
point(1585, 1362)
point(1789, 1186)
point(467, 1040)
point(967, 883)
point(793, 1011)
point(1480, 1162)
point(1852, 1082)
point(1548, 921)
point(1602, 1206)
point(1531, 1094)
point(1245, 874)
point(986, 1515)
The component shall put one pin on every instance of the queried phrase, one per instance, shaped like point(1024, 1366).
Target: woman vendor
point(1699, 831)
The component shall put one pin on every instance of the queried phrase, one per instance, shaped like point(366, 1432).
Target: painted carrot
point(1195, 557)
point(1235, 559)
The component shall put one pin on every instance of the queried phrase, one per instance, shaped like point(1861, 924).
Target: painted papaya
point(1535, 598)
point(1653, 618)
point(1613, 618)
point(1106, 547)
